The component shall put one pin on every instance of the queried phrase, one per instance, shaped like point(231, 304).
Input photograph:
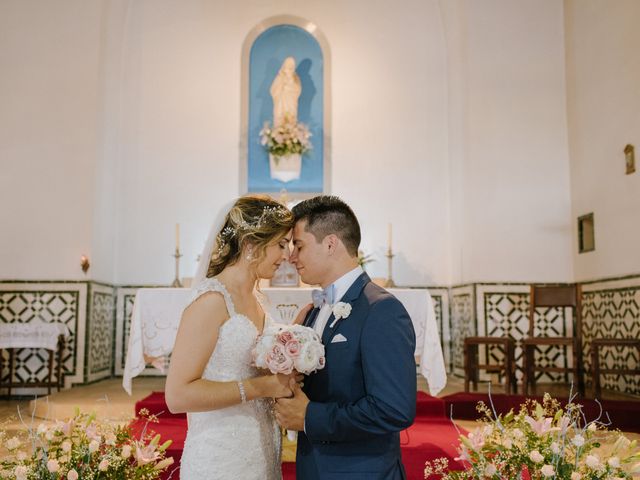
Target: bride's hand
point(302, 314)
point(279, 385)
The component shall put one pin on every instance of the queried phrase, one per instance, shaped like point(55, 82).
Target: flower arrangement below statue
point(285, 144)
point(83, 448)
point(541, 441)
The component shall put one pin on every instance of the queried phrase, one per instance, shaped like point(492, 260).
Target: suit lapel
point(352, 294)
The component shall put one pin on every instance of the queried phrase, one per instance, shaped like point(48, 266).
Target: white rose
point(614, 462)
point(576, 476)
point(517, 433)
point(592, 461)
point(548, 471)
point(536, 457)
point(53, 466)
point(104, 464)
point(66, 446)
point(592, 427)
point(21, 456)
point(93, 446)
point(341, 310)
point(13, 443)
point(490, 470)
point(42, 428)
point(21, 472)
point(307, 361)
point(578, 441)
point(126, 451)
point(72, 475)
point(555, 448)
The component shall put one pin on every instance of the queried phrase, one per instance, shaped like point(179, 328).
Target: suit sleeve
point(389, 370)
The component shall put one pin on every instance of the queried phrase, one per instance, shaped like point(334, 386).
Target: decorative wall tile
point(611, 309)
point(463, 324)
point(101, 332)
point(440, 297)
point(63, 302)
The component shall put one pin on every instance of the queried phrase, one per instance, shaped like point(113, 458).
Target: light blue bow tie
point(320, 297)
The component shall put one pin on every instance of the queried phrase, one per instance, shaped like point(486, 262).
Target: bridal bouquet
point(285, 348)
point(541, 441)
point(82, 448)
point(285, 139)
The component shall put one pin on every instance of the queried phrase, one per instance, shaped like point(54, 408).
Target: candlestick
point(176, 282)
point(389, 283)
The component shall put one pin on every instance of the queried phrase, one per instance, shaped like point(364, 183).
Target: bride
point(232, 433)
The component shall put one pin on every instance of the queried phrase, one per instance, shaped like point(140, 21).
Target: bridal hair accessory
point(243, 394)
point(268, 212)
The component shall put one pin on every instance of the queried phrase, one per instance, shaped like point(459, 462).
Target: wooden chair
point(563, 296)
point(596, 371)
point(506, 367)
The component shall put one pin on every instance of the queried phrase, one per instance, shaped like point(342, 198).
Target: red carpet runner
point(431, 436)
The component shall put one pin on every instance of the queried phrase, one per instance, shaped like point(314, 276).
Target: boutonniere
point(340, 310)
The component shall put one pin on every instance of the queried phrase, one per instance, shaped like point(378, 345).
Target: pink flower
point(285, 337)
point(540, 427)
point(146, 454)
point(278, 361)
point(292, 348)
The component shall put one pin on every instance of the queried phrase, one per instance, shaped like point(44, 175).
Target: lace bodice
point(241, 441)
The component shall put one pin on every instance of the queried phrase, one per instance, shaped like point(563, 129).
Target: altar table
point(157, 312)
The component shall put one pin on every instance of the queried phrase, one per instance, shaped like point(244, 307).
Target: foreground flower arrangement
point(541, 441)
point(84, 448)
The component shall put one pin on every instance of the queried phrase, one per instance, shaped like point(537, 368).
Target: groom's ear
point(331, 242)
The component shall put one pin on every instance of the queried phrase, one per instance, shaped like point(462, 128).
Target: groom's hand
point(290, 412)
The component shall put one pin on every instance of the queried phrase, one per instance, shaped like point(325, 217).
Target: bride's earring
point(249, 256)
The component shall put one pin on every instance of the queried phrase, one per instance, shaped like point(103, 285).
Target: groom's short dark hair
point(327, 214)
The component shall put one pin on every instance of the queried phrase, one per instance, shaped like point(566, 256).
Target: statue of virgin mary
point(285, 91)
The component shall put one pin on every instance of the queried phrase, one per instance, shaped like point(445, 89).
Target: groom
point(349, 414)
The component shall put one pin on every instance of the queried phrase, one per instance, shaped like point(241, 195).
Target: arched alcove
point(265, 48)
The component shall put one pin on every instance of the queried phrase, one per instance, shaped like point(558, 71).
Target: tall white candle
point(390, 236)
point(177, 236)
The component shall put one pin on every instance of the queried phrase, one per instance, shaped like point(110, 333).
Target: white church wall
point(508, 142)
point(49, 92)
point(603, 74)
point(180, 128)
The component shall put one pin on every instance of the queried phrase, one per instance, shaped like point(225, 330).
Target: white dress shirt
point(340, 287)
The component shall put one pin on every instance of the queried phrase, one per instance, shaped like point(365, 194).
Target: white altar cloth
point(157, 312)
point(36, 334)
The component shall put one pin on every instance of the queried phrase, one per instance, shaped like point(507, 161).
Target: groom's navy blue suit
point(365, 395)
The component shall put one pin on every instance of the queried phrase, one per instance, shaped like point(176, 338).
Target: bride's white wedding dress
point(238, 442)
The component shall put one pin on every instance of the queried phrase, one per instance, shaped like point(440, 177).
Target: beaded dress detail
point(238, 442)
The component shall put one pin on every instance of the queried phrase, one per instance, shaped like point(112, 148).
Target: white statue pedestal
point(285, 168)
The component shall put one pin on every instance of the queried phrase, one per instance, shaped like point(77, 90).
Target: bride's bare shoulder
point(207, 307)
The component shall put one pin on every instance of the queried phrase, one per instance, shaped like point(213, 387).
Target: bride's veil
point(207, 252)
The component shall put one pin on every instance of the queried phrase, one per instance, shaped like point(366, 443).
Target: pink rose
point(278, 361)
point(292, 348)
point(285, 337)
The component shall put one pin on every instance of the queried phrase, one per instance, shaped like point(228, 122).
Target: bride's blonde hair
point(255, 220)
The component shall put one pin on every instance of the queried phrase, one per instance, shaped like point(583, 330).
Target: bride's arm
point(185, 390)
